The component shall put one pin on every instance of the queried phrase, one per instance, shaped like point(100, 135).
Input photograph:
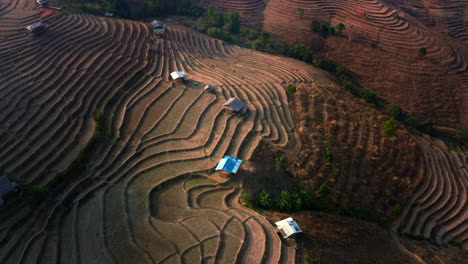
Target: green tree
point(249, 33)
point(322, 191)
point(331, 30)
point(307, 200)
point(393, 110)
point(390, 128)
point(340, 27)
point(300, 11)
point(258, 44)
point(369, 96)
point(264, 200)
point(324, 30)
point(328, 153)
point(422, 51)
point(232, 22)
point(286, 201)
point(300, 51)
point(315, 26)
point(282, 47)
point(290, 88)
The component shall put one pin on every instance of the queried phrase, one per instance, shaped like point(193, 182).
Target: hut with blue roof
point(229, 165)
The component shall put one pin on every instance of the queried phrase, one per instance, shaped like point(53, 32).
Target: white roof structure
point(157, 23)
point(178, 74)
point(35, 26)
point(288, 227)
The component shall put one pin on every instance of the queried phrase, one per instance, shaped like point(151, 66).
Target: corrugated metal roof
point(229, 164)
point(177, 74)
point(288, 227)
point(234, 104)
point(5, 185)
point(35, 26)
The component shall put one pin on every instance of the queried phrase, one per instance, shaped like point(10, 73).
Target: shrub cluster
point(287, 202)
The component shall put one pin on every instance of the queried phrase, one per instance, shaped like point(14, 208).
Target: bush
point(324, 30)
point(461, 135)
point(393, 110)
point(287, 201)
point(279, 162)
point(264, 200)
point(428, 127)
point(390, 128)
point(340, 27)
point(218, 33)
point(397, 210)
point(369, 96)
point(322, 191)
point(233, 22)
point(99, 115)
point(258, 44)
point(422, 51)
point(249, 33)
point(300, 52)
point(189, 9)
point(412, 121)
point(265, 37)
point(281, 47)
point(331, 30)
point(328, 153)
point(307, 200)
point(291, 88)
point(315, 26)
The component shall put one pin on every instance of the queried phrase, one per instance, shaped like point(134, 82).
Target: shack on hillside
point(159, 28)
point(209, 88)
point(229, 165)
point(37, 28)
point(42, 3)
point(288, 227)
point(6, 186)
point(179, 76)
point(235, 106)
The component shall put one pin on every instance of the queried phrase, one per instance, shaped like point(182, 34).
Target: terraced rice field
point(145, 195)
point(403, 78)
point(371, 172)
point(394, 36)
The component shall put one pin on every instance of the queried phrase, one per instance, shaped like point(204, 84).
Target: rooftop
point(288, 227)
point(235, 104)
point(178, 74)
point(229, 164)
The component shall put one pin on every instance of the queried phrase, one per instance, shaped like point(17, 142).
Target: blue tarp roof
point(229, 164)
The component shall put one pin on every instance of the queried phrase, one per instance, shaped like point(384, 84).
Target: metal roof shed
point(179, 75)
point(235, 105)
point(209, 88)
point(229, 164)
point(288, 227)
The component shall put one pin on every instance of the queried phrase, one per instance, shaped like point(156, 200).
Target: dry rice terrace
point(435, 86)
point(144, 196)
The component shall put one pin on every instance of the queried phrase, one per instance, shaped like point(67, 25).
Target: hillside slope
point(434, 87)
